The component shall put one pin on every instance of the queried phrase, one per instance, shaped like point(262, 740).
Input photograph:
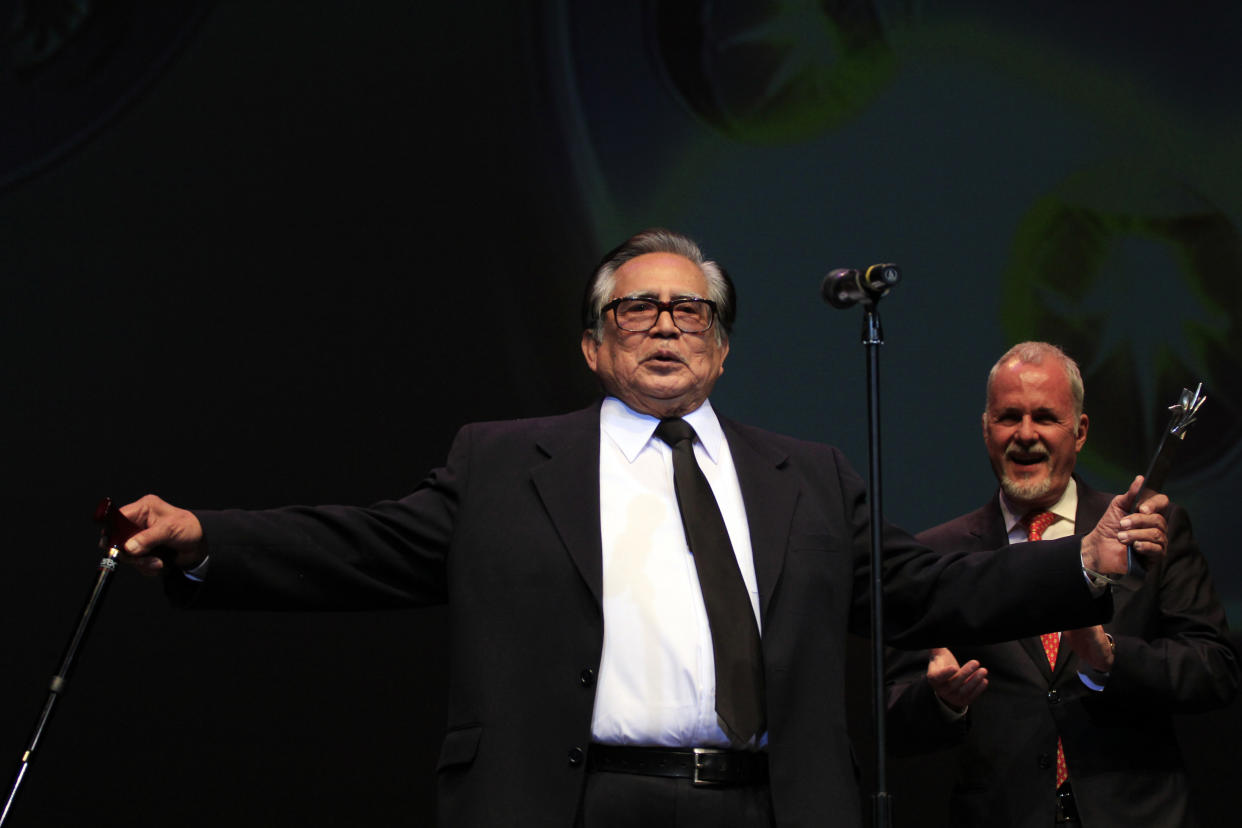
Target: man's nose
point(664, 324)
point(1026, 431)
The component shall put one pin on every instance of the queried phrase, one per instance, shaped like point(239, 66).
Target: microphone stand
point(116, 530)
point(872, 339)
point(842, 288)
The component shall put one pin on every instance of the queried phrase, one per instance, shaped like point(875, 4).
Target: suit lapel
point(770, 494)
point(989, 529)
point(568, 484)
point(1091, 507)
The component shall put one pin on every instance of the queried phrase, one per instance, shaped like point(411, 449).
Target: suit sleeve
point(955, 596)
point(1176, 651)
point(388, 555)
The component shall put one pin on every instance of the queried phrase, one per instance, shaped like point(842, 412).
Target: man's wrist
point(1094, 677)
point(950, 711)
point(1098, 581)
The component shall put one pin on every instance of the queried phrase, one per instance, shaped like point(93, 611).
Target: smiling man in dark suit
point(1068, 727)
point(648, 602)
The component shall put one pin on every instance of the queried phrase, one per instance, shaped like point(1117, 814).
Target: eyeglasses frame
point(661, 307)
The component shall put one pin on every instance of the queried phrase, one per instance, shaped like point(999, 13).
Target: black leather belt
point(1067, 809)
point(703, 766)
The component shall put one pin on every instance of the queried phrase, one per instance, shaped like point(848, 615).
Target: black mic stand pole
point(872, 339)
point(116, 531)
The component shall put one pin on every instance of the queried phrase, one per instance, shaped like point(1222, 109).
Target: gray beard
point(1025, 492)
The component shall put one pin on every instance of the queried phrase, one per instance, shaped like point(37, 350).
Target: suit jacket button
point(587, 677)
point(1054, 697)
point(575, 757)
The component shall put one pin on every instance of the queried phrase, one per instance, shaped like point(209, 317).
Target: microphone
point(847, 286)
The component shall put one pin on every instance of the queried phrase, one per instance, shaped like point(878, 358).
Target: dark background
point(264, 253)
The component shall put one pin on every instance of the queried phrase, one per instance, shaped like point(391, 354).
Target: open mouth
point(1023, 458)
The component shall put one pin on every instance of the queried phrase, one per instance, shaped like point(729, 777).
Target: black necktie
point(735, 635)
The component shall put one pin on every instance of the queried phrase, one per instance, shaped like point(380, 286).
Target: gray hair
point(657, 240)
point(1034, 353)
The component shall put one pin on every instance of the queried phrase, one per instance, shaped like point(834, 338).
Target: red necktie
point(1036, 523)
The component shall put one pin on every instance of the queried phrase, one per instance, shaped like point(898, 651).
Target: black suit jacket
point(507, 533)
point(1172, 655)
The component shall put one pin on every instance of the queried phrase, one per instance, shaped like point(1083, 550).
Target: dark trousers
point(626, 800)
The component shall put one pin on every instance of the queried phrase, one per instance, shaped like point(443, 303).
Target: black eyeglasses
point(639, 315)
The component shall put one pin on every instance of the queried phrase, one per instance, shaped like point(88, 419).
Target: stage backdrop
point(264, 253)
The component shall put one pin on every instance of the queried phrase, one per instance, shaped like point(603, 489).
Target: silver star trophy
point(1182, 414)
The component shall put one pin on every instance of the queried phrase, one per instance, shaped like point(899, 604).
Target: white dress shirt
point(657, 682)
point(1066, 509)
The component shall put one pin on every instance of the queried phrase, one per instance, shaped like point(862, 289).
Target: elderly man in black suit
point(648, 602)
point(1075, 725)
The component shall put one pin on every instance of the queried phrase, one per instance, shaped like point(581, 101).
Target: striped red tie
point(1035, 524)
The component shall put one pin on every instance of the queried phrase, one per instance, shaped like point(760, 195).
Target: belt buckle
point(701, 757)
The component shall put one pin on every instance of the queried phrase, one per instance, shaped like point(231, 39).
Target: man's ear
point(590, 348)
point(1082, 432)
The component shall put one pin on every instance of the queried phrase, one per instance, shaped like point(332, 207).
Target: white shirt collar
point(632, 431)
point(1065, 508)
